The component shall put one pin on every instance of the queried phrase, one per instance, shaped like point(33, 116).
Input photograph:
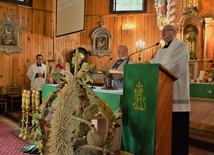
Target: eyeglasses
point(164, 30)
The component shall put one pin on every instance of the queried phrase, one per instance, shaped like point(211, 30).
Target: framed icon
point(9, 35)
point(50, 65)
point(101, 39)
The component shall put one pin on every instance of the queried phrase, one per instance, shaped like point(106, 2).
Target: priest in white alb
point(175, 57)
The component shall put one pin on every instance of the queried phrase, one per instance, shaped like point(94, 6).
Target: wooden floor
point(202, 120)
point(202, 115)
point(201, 128)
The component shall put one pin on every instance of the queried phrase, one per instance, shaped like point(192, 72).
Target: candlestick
point(27, 108)
point(33, 100)
point(26, 133)
point(23, 98)
point(32, 135)
point(22, 132)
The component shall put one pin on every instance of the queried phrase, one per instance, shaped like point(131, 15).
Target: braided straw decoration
point(171, 13)
point(161, 19)
point(169, 18)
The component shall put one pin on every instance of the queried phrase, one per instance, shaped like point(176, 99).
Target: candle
point(27, 100)
point(140, 45)
point(33, 98)
point(23, 98)
point(37, 100)
point(136, 45)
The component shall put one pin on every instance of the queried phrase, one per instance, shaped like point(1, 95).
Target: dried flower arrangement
point(70, 130)
point(210, 77)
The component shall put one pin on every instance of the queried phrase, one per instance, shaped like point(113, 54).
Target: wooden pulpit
point(147, 110)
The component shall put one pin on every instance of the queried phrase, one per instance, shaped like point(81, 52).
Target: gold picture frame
point(101, 39)
point(9, 35)
point(50, 65)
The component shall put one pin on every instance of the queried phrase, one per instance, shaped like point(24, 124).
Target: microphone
point(141, 51)
point(106, 62)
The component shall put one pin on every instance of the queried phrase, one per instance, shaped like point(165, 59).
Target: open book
point(114, 73)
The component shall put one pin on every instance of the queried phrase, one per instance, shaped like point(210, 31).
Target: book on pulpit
point(100, 75)
point(114, 73)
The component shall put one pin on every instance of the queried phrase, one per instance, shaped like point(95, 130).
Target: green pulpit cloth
point(139, 108)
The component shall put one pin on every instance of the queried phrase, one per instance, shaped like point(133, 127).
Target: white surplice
point(176, 59)
point(36, 82)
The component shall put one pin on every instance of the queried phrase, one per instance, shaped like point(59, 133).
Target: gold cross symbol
point(210, 91)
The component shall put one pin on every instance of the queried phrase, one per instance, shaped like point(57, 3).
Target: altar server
point(36, 73)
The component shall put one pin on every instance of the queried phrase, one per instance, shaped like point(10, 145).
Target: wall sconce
point(127, 27)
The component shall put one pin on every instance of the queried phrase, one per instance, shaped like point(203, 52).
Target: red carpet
point(9, 143)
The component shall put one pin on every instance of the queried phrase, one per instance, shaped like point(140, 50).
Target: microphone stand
point(92, 86)
point(141, 51)
point(106, 63)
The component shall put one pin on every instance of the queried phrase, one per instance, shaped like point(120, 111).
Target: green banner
point(139, 108)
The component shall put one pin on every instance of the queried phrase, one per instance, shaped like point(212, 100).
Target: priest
point(175, 57)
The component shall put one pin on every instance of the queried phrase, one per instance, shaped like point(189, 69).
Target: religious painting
point(9, 35)
point(101, 38)
point(48, 72)
point(101, 43)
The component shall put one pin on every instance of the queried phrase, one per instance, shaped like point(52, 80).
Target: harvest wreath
point(70, 130)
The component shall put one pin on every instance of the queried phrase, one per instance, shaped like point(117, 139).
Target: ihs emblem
point(139, 103)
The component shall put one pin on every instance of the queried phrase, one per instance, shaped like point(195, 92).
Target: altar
point(202, 91)
point(47, 89)
point(112, 97)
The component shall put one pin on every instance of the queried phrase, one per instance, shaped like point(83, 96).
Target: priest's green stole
point(139, 108)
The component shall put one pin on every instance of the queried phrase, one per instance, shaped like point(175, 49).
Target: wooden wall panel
point(65, 44)
point(150, 6)
point(97, 7)
point(38, 35)
point(144, 22)
point(48, 5)
point(145, 29)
